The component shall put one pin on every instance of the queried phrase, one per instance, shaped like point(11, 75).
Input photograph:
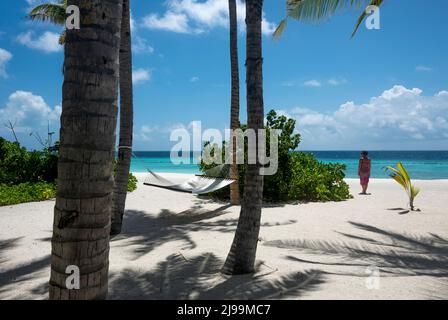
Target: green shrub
point(26, 192)
point(300, 176)
point(132, 182)
point(17, 165)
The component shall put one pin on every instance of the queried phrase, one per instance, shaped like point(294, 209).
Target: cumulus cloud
point(194, 79)
point(5, 57)
point(145, 133)
point(194, 17)
point(47, 42)
point(28, 111)
point(337, 82)
point(397, 115)
point(312, 84)
point(141, 46)
point(141, 76)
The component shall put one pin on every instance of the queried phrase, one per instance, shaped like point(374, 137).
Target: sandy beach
point(173, 245)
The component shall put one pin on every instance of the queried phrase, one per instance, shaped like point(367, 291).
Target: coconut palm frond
point(281, 27)
point(364, 15)
point(401, 175)
point(318, 10)
point(49, 12)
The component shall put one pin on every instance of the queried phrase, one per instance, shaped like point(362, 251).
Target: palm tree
point(88, 131)
point(56, 13)
point(241, 258)
point(235, 101)
point(318, 10)
point(126, 122)
point(52, 12)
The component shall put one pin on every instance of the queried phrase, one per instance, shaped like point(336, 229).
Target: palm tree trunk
point(235, 101)
point(241, 258)
point(126, 122)
point(81, 224)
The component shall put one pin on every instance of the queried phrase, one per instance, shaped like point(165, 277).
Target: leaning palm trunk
point(235, 102)
point(85, 182)
point(126, 123)
point(241, 258)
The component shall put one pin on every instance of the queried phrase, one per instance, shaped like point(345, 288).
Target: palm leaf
point(49, 12)
point(318, 10)
point(363, 15)
point(403, 171)
point(281, 27)
point(397, 176)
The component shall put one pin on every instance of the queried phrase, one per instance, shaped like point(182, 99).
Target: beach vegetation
point(28, 176)
point(26, 192)
point(401, 175)
point(300, 176)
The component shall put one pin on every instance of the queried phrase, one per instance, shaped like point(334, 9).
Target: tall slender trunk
point(241, 258)
point(81, 224)
point(126, 122)
point(235, 101)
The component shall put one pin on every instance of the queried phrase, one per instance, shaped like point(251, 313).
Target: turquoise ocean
point(424, 165)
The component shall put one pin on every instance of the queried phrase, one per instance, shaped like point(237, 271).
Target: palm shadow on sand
point(144, 232)
point(396, 254)
point(199, 278)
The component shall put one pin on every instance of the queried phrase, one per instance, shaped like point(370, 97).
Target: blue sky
point(386, 89)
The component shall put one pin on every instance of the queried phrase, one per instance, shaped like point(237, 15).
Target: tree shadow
point(145, 232)
point(7, 244)
point(23, 272)
point(396, 254)
point(199, 277)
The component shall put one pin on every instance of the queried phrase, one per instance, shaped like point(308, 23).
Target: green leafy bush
point(27, 176)
point(17, 165)
point(300, 176)
point(132, 182)
point(26, 192)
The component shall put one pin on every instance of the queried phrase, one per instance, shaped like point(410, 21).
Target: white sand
point(173, 245)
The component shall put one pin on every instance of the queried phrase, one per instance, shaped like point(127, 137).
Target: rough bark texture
point(81, 224)
point(126, 122)
point(235, 102)
point(241, 258)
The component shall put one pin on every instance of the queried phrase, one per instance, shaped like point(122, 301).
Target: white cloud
point(133, 24)
point(141, 46)
point(170, 21)
point(153, 132)
point(47, 42)
point(5, 57)
point(337, 81)
point(312, 84)
point(193, 17)
point(28, 111)
point(422, 68)
point(399, 115)
point(146, 133)
point(194, 79)
point(141, 76)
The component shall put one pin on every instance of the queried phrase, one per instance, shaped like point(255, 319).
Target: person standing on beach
point(364, 171)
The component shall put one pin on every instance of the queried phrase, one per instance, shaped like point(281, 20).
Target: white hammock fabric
point(197, 185)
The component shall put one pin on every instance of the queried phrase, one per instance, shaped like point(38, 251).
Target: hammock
point(213, 180)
